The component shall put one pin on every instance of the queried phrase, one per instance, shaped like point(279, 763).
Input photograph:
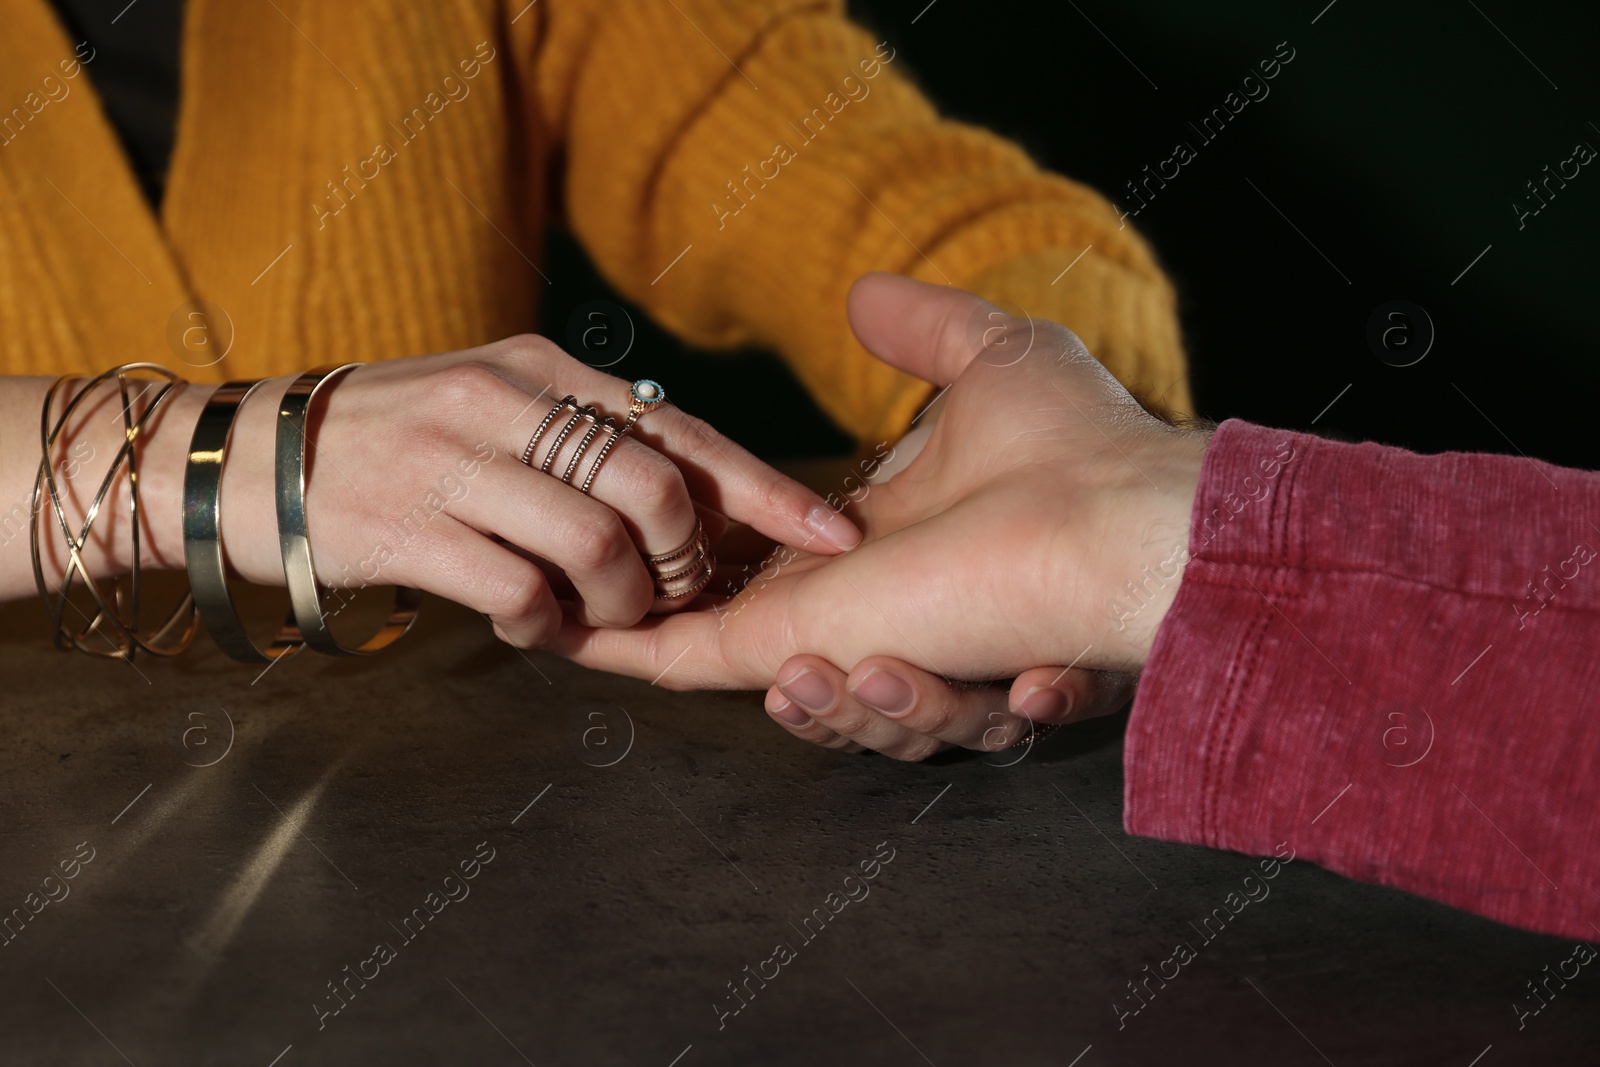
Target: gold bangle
point(202, 532)
point(294, 537)
point(108, 616)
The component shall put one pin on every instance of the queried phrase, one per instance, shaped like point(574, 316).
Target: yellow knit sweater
point(371, 178)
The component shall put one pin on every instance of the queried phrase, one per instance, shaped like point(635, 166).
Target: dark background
point(1397, 141)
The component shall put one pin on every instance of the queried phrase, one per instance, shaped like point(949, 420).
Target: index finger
point(721, 473)
point(718, 472)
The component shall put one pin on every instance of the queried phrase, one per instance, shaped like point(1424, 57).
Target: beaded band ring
point(1037, 731)
point(644, 396)
point(583, 446)
point(578, 415)
point(544, 424)
point(684, 571)
point(617, 431)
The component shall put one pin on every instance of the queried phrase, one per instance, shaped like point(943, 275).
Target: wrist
point(249, 514)
point(1162, 528)
point(248, 519)
point(163, 458)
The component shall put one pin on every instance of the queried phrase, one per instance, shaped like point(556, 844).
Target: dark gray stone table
point(647, 847)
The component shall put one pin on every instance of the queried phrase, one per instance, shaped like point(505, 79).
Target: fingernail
point(791, 714)
point(1043, 704)
point(808, 689)
point(833, 527)
point(884, 692)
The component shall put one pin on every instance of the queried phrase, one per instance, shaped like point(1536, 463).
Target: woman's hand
point(415, 479)
point(1044, 498)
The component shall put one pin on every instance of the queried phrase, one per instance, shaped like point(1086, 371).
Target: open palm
point(1043, 488)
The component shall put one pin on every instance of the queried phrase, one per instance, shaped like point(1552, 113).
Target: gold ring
point(685, 549)
point(544, 424)
point(684, 571)
point(617, 431)
point(694, 587)
point(644, 396)
point(1037, 731)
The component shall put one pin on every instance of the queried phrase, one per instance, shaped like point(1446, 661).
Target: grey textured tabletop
point(457, 853)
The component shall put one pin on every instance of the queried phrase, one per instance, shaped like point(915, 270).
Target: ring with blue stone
point(644, 396)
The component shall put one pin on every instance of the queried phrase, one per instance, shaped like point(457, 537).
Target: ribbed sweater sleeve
point(1386, 660)
point(734, 165)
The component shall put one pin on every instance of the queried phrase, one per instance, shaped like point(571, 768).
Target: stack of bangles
point(115, 628)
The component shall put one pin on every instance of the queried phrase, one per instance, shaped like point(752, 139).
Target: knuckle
point(776, 495)
point(1062, 336)
point(1067, 348)
point(698, 441)
point(770, 493)
point(539, 629)
point(628, 609)
point(529, 348)
point(467, 386)
point(666, 653)
point(935, 716)
point(655, 485)
point(651, 653)
point(521, 601)
point(594, 540)
point(955, 325)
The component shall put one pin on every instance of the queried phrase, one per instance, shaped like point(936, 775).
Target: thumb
point(930, 331)
point(1050, 696)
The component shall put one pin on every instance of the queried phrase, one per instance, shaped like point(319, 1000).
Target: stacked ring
point(684, 571)
point(579, 413)
point(644, 396)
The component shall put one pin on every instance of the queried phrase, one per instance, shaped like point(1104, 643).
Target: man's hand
point(1045, 521)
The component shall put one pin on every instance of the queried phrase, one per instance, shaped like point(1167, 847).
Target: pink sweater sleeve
point(1391, 662)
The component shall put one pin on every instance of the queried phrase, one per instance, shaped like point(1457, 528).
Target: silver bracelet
point(202, 532)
